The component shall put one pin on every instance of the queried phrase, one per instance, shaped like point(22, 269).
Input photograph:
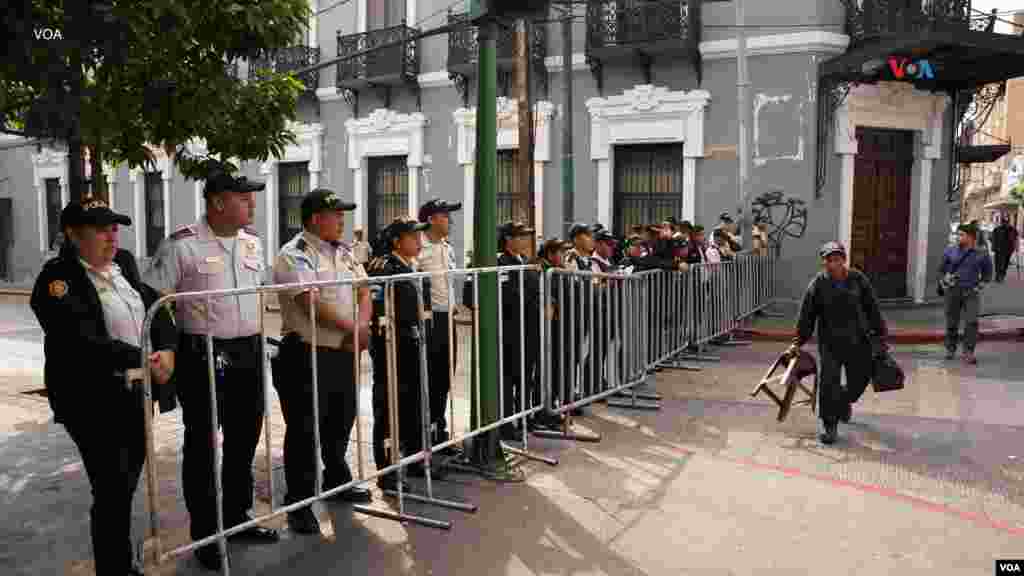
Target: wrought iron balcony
point(464, 49)
point(392, 65)
point(288, 60)
point(645, 27)
point(872, 19)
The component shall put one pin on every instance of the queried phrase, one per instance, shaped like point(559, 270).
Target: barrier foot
point(670, 365)
point(639, 396)
point(732, 340)
point(461, 506)
point(634, 405)
point(698, 356)
point(529, 455)
point(389, 515)
point(565, 434)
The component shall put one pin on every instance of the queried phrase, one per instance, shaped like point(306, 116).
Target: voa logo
point(1009, 567)
point(911, 69)
point(48, 34)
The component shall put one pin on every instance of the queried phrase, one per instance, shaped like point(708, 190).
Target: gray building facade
point(655, 134)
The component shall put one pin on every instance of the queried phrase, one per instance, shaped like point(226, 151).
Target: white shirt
point(123, 309)
point(194, 259)
point(437, 257)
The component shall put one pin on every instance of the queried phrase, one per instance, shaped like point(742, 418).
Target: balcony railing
point(651, 26)
point(390, 65)
point(464, 47)
point(867, 19)
point(288, 60)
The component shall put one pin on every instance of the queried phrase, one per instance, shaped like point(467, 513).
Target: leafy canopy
point(160, 72)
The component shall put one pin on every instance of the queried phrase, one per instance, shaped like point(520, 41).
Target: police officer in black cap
point(514, 240)
point(402, 239)
point(437, 255)
point(317, 253)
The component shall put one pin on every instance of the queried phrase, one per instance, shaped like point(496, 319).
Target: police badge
point(58, 288)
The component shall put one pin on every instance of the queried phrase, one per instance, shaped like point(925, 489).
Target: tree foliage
point(156, 72)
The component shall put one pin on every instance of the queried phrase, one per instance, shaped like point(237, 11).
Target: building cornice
point(794, 43)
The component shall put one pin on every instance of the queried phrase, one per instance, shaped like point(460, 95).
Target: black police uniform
point(514, 333)
point(85, 387)
point(832, 307)
point(407, 332)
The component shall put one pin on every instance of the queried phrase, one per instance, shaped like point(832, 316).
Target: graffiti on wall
point(781, 217)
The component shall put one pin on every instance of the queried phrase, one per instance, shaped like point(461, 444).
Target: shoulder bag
point(886, 373)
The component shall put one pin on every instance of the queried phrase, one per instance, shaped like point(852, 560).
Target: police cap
point(437, 206)
point(323, 200)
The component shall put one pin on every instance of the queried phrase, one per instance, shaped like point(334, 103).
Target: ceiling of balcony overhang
point(957, 60)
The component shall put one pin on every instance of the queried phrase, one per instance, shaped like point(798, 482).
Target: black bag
point(886, 373)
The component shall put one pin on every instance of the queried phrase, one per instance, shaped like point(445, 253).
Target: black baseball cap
point(580, 228)
point(604, 235)
point(402, 226)
point(321, 200)
point(554, 245)
point(513, 229)
point(437, 206)
point(725, 217)
point(831, 248)
point(91, 212)
point(221, 181)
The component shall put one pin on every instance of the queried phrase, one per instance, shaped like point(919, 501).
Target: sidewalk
point(1002, 318)
point(927, 480)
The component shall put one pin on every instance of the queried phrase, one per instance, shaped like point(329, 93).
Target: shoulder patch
point(184, 232)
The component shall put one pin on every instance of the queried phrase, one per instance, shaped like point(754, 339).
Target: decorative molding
point(362, 23)
point(384, 133)
point(437, 79)
point(579, 62)
point(773, 44)
point(308, 148)
point(646, 114)
point(894, 105)
point(508, 129)
point(48, 163)
point(328, 94)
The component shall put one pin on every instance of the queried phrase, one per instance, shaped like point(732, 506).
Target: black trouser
point(832, 398)
point(240, 415)
point(409, 391)
point(438, 370)
point(1002, 264)
point(293, 380)
point(510, 365)
point(112, 445)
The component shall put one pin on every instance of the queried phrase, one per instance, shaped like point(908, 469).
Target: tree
point(152, 72)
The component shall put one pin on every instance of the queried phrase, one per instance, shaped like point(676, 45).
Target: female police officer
point(401, 239)
point(92, 315)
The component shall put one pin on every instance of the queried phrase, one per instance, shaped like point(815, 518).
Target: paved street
point(927, 480)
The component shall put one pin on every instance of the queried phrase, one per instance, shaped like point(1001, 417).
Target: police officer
point(581, 258)
point(514, 239)
point(834, 303)
point(317, 253)
point(438, 256)
point(402, 241)
point(218, 252)
point(92, 314)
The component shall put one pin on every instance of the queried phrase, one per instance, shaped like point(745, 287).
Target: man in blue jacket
point(963, 276)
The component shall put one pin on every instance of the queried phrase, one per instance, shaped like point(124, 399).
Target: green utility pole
point(485, 246)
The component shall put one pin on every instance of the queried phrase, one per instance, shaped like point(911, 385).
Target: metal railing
point(565, 340)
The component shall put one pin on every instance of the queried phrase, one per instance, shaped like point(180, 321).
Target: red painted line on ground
point(980, 519)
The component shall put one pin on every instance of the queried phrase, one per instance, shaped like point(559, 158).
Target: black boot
point(830, 434)
point(846, 414)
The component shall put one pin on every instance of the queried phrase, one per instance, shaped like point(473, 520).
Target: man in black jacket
point(519, 338)
point(92, 311)
point(836, 301)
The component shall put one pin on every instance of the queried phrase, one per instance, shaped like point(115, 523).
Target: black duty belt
point(197, 343)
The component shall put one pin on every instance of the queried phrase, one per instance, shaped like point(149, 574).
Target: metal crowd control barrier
point(528, 403)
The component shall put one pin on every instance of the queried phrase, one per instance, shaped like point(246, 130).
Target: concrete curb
point(895, 337)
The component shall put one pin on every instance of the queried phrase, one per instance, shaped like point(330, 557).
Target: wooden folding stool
point(796, 369)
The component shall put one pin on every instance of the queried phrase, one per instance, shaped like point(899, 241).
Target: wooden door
point(881, 208)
